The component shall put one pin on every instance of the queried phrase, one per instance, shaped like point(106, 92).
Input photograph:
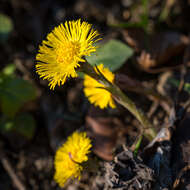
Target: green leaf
point(14, 92)
point(9, 69)
point(6, 26)
point(23, 124)
point(113, 55)
point(6, 125)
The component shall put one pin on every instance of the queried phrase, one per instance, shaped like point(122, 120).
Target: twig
point(177, 181)
point(16, 181)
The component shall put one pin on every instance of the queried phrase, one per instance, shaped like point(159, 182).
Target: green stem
point(121, 98)
point(125, 101)
point(137, 145)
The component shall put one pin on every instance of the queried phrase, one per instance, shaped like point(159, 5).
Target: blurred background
point(35, 120)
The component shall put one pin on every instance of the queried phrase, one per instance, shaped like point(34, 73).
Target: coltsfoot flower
point(65, 47)
point(95, 92)
point(69, 157)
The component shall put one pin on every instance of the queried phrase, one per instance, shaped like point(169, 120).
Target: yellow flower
point(93, 89)
point(60, 54)
point(69, 157)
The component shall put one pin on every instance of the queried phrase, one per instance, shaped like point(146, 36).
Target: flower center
point(68, 52)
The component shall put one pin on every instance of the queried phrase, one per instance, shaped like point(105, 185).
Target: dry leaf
point(157, 49)
point(104, 134)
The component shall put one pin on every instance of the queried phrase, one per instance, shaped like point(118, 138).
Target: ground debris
point(127, 172)
point(181, 154)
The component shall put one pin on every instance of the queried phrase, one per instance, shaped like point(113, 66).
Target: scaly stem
point(121, 98)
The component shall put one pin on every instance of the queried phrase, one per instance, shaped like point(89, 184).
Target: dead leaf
point(165, 45)
point(157, 49)
point(104, 134)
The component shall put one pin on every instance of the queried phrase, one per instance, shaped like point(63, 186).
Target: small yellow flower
point(69, 157)
point(60, 54)
point(93, 89)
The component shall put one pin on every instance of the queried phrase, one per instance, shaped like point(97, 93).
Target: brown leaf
point(102, 126)
point(156, 49)
point(104, 135)
point(165, 45)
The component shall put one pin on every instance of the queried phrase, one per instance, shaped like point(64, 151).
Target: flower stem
point(121, 98)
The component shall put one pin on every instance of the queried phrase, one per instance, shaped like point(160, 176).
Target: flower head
point(95, 92)
point(69, 157)
point(60, 54)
